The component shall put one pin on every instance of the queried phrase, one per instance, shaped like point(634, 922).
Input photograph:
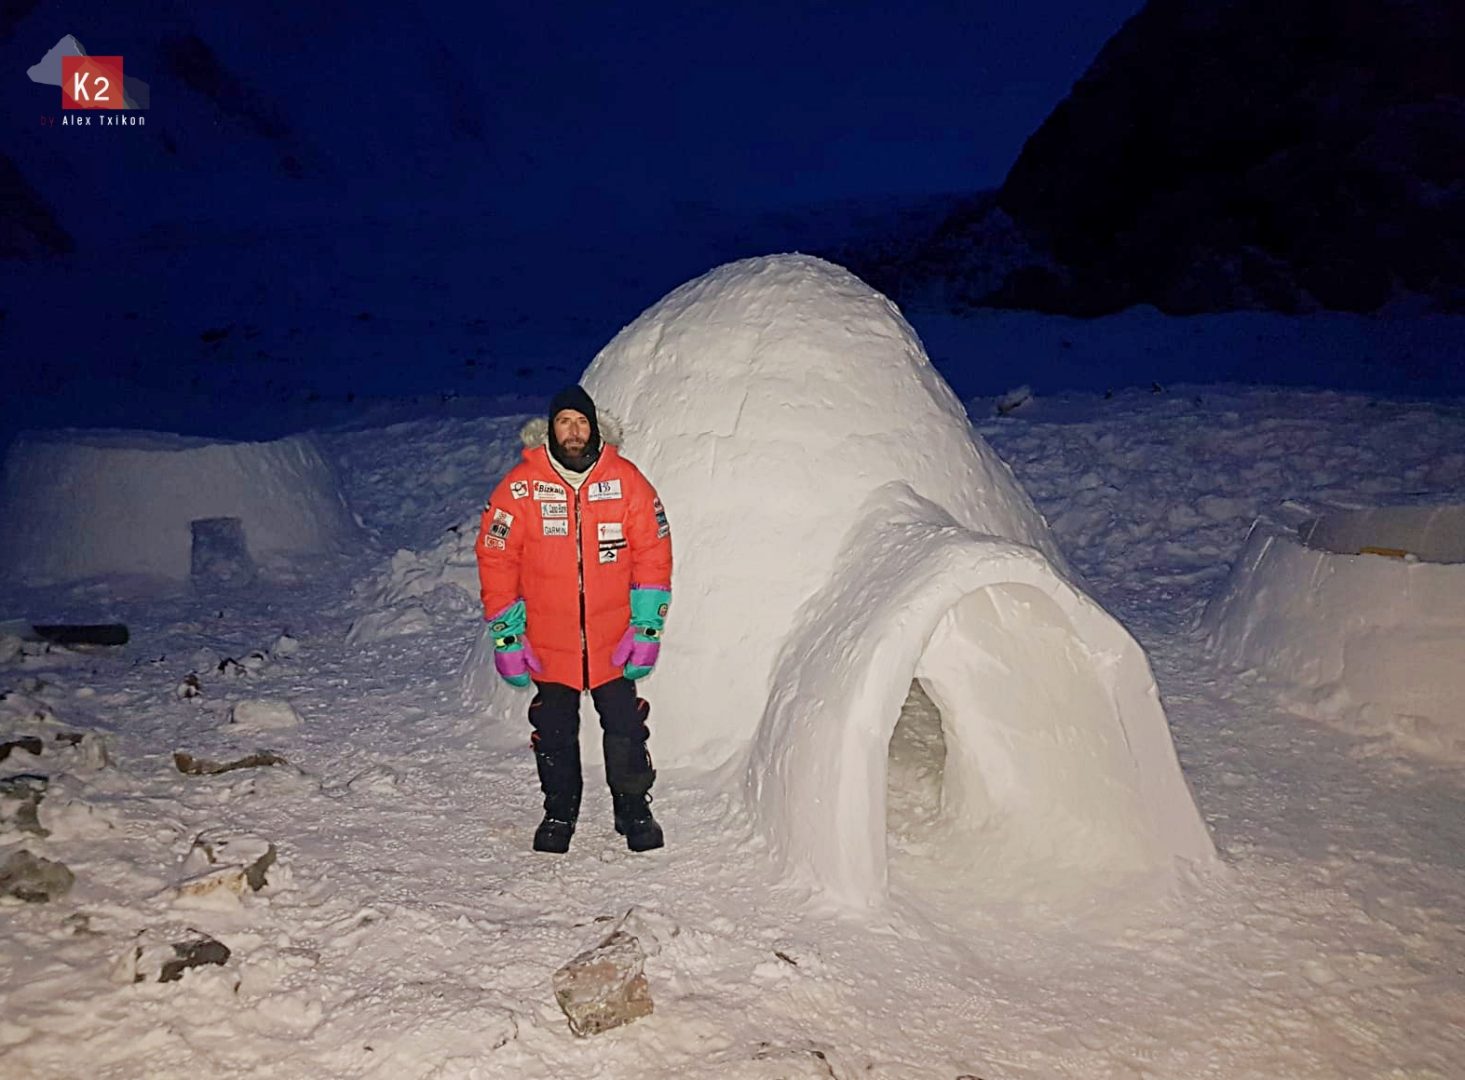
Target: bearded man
point(574, 564)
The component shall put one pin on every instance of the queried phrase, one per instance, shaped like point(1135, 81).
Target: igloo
point(840, 531)
point(1354, 615)
point(80, 504)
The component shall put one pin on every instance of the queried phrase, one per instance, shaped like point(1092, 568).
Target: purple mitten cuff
point(644, 653)
point(623, 647)
point(512, 665)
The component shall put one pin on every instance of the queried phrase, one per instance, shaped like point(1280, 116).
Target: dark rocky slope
point(1225, 154)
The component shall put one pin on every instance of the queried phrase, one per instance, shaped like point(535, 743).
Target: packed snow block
point(840, 530)
point(79, 504)
point(1354, 615)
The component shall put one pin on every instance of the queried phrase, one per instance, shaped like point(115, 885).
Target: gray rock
point(199, 766)
point(156, 959)
point(231, 862)
point(31, 744)
point(196, 953)
point(604, 987)
point(20, 798)
point(32, 879)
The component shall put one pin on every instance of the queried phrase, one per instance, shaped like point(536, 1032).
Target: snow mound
point(840, 530)
point(263, 714)
point(79, 504)
point(1355, 615)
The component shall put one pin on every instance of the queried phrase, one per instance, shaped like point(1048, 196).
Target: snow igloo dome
point(840, 531)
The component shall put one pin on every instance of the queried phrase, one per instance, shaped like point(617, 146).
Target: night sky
point(771, 104)
point(330, 202)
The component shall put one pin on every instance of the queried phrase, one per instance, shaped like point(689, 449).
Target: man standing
point(574, 563)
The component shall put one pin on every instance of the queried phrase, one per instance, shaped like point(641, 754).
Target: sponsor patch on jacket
point(499, 529)
point(603, 489)
point(502, 517)
point(493, 542)
point(518, 489)
point(556, 528)
point(663, 529)
point(543, 489)
point(611, 538)
point(554, 509)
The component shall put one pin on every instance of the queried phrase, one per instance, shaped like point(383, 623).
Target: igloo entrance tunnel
point(839, 531)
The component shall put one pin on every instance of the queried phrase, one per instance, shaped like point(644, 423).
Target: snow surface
point(79, 504)
point(407, 931)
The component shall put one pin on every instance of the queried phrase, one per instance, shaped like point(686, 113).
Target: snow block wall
point(1356, 616)
point(840, 530)
point(80, 504)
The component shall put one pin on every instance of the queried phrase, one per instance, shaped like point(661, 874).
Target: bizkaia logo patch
point(95, 90)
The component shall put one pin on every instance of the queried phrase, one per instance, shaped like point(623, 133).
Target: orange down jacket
point(573, 558)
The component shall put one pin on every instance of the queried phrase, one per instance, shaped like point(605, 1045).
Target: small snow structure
point(1355, 616)
point(840, 531)
point(81, 504)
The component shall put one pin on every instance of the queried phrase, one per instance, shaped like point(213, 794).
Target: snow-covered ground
point(406, 930)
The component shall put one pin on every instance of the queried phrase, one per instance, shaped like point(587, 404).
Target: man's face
point(572, 431)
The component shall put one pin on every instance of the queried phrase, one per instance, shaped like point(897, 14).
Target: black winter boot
point(635, 823)
point(629, 773)
point(559, 778)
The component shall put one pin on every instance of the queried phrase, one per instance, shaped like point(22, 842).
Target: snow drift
point(79, 504)
point(839, 531)
point(1354, 615)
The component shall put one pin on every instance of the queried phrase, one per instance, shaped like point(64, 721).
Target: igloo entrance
point(1001, 761)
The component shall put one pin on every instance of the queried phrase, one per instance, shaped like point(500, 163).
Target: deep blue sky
point(485, 196)
point(759, 104)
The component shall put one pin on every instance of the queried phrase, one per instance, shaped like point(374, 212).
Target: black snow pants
point(555, 715)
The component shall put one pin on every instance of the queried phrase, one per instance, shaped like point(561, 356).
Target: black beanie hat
point(575, 397)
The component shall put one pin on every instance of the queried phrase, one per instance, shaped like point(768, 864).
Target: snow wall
point(80, 504)
point(840, 530)
point(1354, 615)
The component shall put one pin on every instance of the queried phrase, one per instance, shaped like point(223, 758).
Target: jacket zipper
point(580, 574)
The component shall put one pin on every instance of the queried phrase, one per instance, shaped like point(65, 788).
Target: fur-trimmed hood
point(535, 431)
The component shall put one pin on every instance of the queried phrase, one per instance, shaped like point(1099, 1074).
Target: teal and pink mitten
point(513, 656)
point(640, 646)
